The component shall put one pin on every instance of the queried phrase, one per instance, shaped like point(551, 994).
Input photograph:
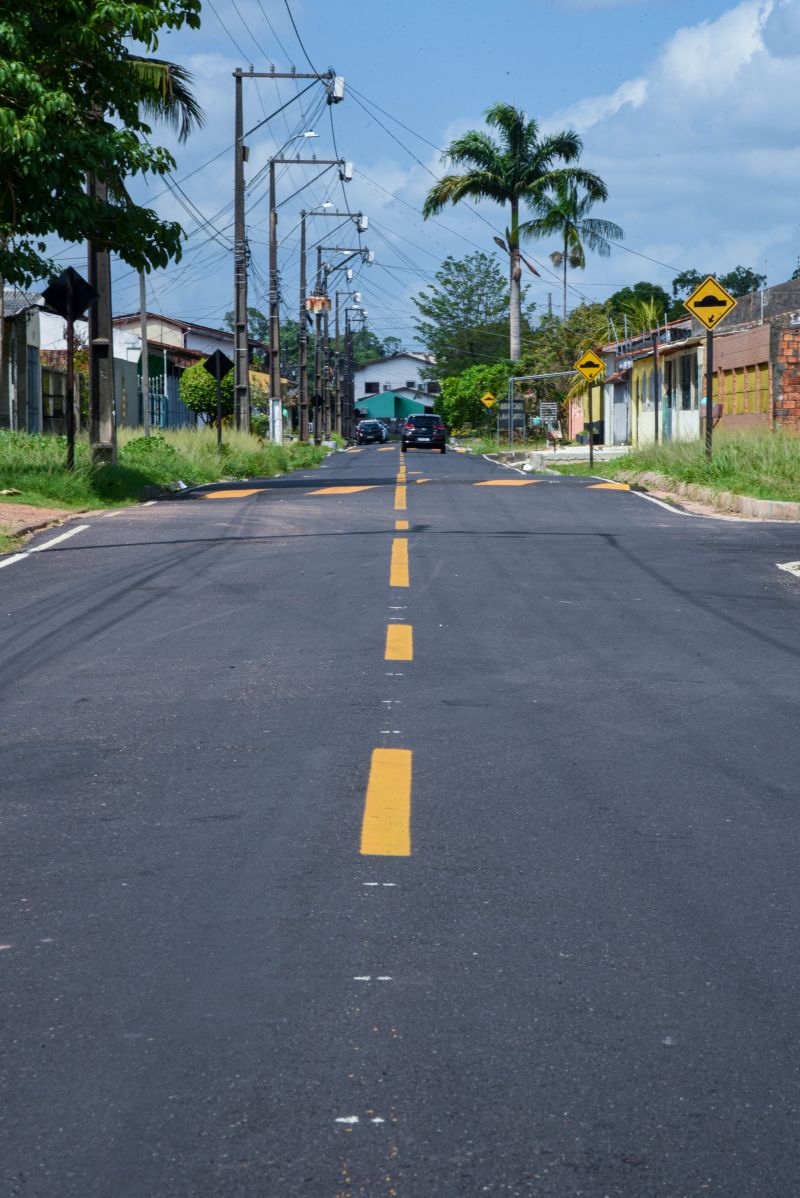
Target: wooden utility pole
point(241, 345)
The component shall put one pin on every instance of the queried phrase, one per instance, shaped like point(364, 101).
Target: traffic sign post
point(590, 366)
point(218, 366)
point(710, 303)
point(70, 295)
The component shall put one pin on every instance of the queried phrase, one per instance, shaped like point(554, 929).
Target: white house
point(403, 371)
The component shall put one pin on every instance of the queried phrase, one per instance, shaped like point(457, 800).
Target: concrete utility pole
point(145, 354)
point(102, 424)
point(335, 88)
point(241, 341)
point(361, 222)
point(275, 398)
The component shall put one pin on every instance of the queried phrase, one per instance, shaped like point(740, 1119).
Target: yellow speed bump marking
point(400, 498)
point(608, 487)
point(398, 573)
point(339, 490)
point(233, 494)
point(509, 482)
point(399, 642)
point(423, 480)
point(385, 448)
point(386, 827)
point(401, 525)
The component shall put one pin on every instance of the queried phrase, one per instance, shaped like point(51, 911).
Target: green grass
point(35, 465)
point(489, 445)
point(9, 544)
point(762, 464)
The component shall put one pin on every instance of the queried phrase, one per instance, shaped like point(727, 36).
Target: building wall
point(206, 343)
point(743, 378)
point(395, 374)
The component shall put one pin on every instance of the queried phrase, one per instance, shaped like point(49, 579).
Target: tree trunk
point(565, 276)
point(515, 288)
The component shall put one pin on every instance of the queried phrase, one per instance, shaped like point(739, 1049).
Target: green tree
point(392, 345)
point(367, 347)
point(71, 105)
point(741, 281)
point(685, 283)
point(520, 168)
point(624, 301)
point(564, 211)
point(198, 390)
point(257, 324)
point(460, 401)
point(464, 314)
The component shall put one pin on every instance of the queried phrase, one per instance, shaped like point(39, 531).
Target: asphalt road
point(513, 911)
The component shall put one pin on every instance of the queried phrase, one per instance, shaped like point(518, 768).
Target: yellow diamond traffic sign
point(710, 302)
point(590, 365)
point(488, 399)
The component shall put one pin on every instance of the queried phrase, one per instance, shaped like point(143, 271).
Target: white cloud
point(588, 112)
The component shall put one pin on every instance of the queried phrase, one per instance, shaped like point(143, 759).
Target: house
point(173, 346)
point(400, 372)
point(20, 377)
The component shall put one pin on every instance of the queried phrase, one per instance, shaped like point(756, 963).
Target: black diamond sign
point(69, 295)
point(218, 364)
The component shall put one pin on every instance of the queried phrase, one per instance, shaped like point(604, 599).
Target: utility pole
point(145, 354)
point(241, 343)
point(335, 88)
point(102, 424)
point(302, 338)
point(275, 399)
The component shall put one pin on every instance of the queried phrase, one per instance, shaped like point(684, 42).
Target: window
point(387, 386)
point(371, 388)
point(412, 385)
point(688, 375)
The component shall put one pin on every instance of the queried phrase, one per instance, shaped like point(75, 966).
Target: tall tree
point(564, 210)
point(72, 106)
point(742, 280)
point(464, 314)
point(623, 302)
point(520, 167)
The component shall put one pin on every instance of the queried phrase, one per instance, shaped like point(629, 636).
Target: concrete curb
point(722, 501)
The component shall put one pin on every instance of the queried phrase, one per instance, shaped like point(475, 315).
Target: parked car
point(370, 430)
point(424, 432)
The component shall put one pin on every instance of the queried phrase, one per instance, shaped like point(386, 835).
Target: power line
point(300, 40)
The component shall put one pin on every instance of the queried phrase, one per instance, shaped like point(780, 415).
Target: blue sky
point(688, 110)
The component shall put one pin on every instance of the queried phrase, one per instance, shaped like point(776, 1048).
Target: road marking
point(608, 487)
point(243, 494)
point(509, 482)
point(340, 490)
point(399, 642)
point(386, 827)
point(423, 480)
point(790, 567)
point(9, 561)
point(56, 540)
point(385, 448)
point(347, 1119)
point(401, 525)
point(111, 515)
point(400, 498)
point(398, 573)
point(150, 503)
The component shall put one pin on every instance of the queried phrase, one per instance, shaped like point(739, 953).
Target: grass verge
point(34, 465)
point(764, 465)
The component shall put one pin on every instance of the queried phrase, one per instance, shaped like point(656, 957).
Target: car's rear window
point(424, 421)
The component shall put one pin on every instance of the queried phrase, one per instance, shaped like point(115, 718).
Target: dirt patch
point(18, 518)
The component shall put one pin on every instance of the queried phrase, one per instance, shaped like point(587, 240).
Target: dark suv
point(424, 432)
point(370, 430)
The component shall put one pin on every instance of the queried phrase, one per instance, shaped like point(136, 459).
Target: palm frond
point(167, 94)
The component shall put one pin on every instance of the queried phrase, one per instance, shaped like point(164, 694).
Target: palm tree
point(521, 166)
point(564, 210)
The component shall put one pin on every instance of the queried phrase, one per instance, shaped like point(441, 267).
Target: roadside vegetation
point(35, 465)
point(764, 465)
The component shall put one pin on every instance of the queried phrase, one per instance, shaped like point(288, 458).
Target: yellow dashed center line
point(399, 643)
point(339, 490)
point(509, 482)
point(398, 574)
point(608, 487)
point(386, 828)
point(400, 498)
point(401, 525)
point(233, 494)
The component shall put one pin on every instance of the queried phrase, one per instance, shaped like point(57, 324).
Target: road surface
point(369, 836)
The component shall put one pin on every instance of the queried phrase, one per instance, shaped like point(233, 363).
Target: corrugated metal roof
point(16, 301)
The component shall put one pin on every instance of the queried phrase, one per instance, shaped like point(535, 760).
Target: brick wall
point(787, 378)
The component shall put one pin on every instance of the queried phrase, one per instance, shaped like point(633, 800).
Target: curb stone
point(724, 501)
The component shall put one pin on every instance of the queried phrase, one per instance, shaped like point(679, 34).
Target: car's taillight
point(408, 428)
point(439, 428)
